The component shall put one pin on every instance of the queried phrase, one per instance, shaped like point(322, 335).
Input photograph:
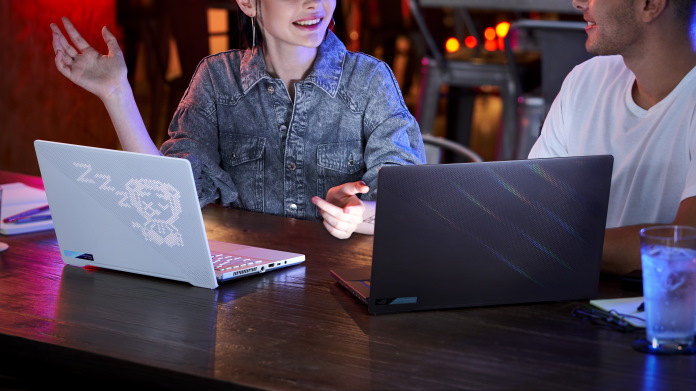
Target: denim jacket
point(253, 148)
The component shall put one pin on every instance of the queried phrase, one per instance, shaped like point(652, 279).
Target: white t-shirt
point(654, 150)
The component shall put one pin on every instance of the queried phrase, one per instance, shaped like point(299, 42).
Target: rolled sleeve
point(193, 136)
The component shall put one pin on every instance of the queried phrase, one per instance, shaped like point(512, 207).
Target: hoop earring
point(253, 32)
point(332, 25)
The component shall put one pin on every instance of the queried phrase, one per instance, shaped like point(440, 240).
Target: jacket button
point(292, 166)
point(292, 207)
point(283, 128)
point(271, 89)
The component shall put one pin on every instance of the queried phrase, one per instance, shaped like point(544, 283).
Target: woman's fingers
point(61, 64)
point(335, 232)
point(62, 44)
point(339, 223)
point(75, 37)
point(325, 207)
point(111, 41)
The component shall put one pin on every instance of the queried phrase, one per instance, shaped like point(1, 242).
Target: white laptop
point(139, 213)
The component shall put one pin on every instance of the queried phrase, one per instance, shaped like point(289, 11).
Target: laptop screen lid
point(475, 234)
point(131, 212)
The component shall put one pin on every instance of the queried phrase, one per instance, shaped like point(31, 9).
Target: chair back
point(561, 45)
point(436, 148)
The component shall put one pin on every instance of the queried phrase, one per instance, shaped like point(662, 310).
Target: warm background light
point(502, 29)
point(452, 45)
point(491, 45)
point(470, 42)
point(489, 33)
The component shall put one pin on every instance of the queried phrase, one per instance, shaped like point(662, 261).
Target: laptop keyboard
point(225, 262)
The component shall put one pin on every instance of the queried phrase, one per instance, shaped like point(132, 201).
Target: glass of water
point(668, 256)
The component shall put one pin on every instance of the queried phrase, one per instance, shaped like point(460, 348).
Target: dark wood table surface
point(292, 329)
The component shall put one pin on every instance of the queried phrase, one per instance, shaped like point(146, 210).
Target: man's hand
point(342, 210)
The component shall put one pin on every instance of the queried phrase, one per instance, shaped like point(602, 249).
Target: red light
point(470, 42)
point(491, 45)
point(452, 45)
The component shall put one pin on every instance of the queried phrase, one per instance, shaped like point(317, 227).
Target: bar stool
point(437, 71)
point(464, 74)
point(437, 146)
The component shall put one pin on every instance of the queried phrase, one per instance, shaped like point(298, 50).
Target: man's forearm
point(621, 252)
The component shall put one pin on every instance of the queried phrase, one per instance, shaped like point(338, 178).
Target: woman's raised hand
point(106, 76)
point(102, 75)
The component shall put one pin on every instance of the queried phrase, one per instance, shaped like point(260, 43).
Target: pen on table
point(30, 219)
point(24, 214)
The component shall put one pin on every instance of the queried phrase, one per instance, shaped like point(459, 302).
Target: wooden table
point(292, 329)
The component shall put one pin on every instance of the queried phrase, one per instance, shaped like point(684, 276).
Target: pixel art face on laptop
point(157, 202)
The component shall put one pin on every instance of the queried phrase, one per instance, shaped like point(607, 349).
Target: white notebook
point(17, 198)
point(624, 306)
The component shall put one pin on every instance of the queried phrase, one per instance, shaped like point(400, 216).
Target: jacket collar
point(326, 72)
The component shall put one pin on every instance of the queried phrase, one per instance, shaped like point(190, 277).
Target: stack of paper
point(17, 198)
point(626, 308)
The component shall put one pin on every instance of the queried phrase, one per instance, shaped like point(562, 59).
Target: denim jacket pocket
point(339, 163)
point(242, 158)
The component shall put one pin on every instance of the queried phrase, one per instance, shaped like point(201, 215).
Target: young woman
point(295, 126)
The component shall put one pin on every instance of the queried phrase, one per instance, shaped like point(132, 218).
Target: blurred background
point(163, 41)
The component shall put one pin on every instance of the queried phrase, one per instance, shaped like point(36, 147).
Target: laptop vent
point(245, 271)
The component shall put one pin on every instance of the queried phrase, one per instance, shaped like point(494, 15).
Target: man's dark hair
point(684, 10)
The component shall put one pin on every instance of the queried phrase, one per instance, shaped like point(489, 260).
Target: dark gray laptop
point(492, 233)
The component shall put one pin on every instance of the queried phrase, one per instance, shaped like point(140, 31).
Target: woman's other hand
point(342, 210)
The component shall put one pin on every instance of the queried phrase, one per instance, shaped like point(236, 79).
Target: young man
point(636, 101)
